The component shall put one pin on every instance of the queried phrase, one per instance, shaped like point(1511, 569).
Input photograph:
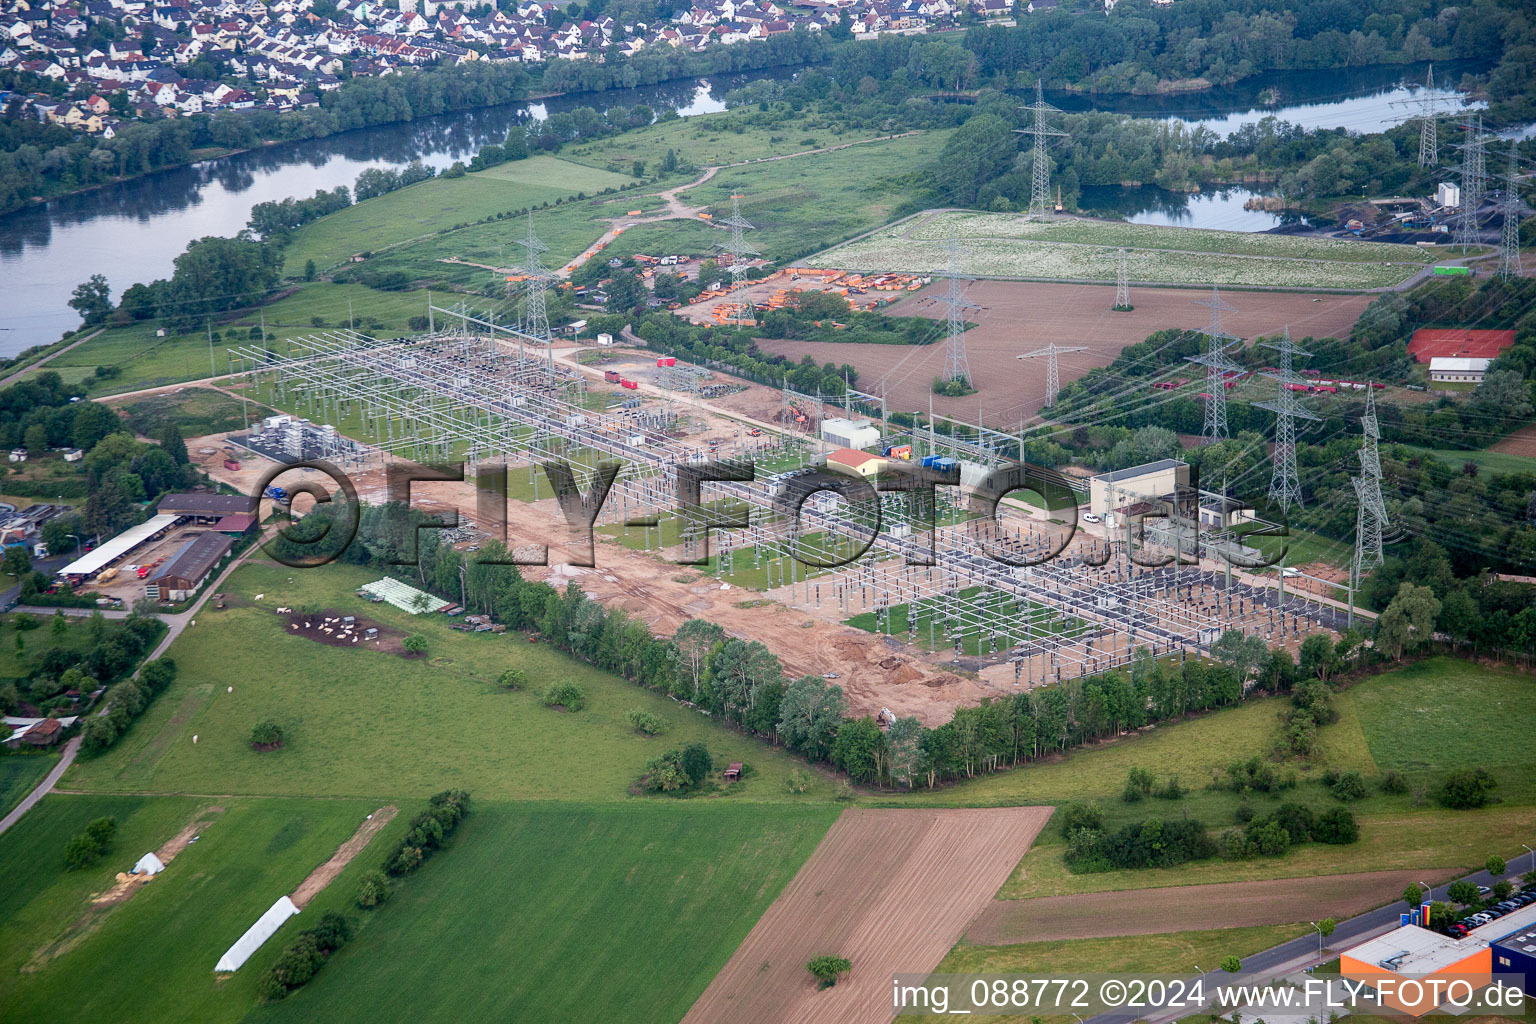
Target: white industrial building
point(1125, 487)
point(1458, 369)
point(850, 433)
point(1448, 194)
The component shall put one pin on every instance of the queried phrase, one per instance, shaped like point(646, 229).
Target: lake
point(132, 231)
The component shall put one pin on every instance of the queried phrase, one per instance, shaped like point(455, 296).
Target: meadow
point(363, 722)
point(441, 204)
point(711, 139)
point(547, 912)
point(19, 773)
point(151, 958)
point(1011, 246)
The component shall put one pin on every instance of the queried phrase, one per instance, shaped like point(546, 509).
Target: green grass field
point(362, 722)
point(1011, 246)
point(1172, 953)
point(19, 773)
point(566, 912)
point(708, 139)
point(443, 203)
point(1493, 462)
point(151, 958)
point(1446, 714)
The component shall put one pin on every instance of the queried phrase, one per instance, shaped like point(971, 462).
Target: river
point(134, 230)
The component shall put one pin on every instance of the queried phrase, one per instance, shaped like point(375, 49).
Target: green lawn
point(443, 203)
point(17, 664)
point(566, 912)
point(1447, 714)
point(362, 722)
point(151, 958)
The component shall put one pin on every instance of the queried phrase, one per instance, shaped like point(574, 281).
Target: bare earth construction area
point(892, 890)
point(1017, 317)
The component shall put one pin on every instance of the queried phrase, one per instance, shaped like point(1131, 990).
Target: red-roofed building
point(1438, 343)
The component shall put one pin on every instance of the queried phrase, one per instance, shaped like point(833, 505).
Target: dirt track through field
point(891, 890)
point(323, 875)
point(1019, 317)
point(1191, 907)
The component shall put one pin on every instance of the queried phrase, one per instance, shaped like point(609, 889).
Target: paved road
point(13, 378)
point(177, 624)
point(1301, 953)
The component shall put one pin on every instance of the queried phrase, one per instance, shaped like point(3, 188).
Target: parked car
point(1458, 931)
point(1089, 517)
point(1483, 890)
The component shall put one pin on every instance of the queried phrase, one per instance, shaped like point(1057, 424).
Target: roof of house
point(852, 458)
point(1430, 342)
point(47, 727)
point(118, 546)
point(1132, 472)
point(195, 557)
point(208, 504)
point(234, 524)
point(1455, 364)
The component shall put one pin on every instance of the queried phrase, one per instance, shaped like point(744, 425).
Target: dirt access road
point(1191, 908)
point(323, 875)
point(891, 890)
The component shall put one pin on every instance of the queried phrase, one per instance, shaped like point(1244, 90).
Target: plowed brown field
point(891, 890)
point(1017, 317)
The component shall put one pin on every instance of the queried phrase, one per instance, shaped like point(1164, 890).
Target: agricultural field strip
point(1027, 250)
point(1182, 908)
point(890, 890)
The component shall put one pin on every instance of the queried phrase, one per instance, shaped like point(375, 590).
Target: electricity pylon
point(1122, 280)
point(1429, 121)
point(956, 366)
point(1052, 375)
point(740, 251)
point(1509, 237)
point(1373, 508)
point(535, 315)
point(1040, 186)
point(1217, 366)
point(1284, 483)
point(1473, 175)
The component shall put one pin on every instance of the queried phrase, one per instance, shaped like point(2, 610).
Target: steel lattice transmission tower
point(1217, 366)
point(740, 251)
point(956, 366)
point(1509, 237)
point(1373, 508)
point(1284, 483)
point(1052, 375)
point(1473, 177)
point(535, 314)
point(1041, 133)
point(1122, 280)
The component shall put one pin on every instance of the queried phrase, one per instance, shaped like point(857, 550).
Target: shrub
point(1336, 827)
point(1138, 783)
point(513, 679)
point(428, 831)
point(1394, 783)
point(267, 735)
point(372, 889)
point(1269, 837)
point(797, 781)
point(565, 695)
point(303, 959)
point(1172, 790)
point(85, 848)
point(1234, 845)
point(1464, 790)
point(1075, 816)
point(1153, 843)
point(826, 968)
point(415, 644)
point(645, 722)
point(1348, 786)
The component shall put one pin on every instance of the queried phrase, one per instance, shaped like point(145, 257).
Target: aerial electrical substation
point(999, 579)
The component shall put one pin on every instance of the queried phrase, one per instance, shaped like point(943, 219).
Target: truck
point(897, 451)
point(612, 376)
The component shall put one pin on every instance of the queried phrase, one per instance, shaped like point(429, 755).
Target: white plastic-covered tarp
point(256, 934)
point(148, 864)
